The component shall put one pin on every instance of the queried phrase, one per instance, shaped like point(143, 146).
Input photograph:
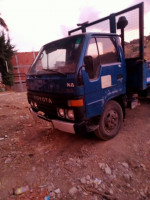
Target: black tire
point(110, 121)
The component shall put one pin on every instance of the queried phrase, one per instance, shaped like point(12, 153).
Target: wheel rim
point(111, 121)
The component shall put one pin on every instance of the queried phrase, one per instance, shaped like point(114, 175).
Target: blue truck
point(83, 82)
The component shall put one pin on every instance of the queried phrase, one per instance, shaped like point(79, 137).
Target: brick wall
point(21, 62)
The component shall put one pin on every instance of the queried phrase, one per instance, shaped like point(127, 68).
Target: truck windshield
point(60, 56)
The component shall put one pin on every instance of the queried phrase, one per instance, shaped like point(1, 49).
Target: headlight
point(31, 103)
point(70, 114)
point(61, 112)
point(35, 105)
point(64, 113)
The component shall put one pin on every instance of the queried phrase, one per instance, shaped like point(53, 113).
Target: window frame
point(113, 41)
point(116, 48)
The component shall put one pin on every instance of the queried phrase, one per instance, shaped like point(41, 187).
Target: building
point(21, 62)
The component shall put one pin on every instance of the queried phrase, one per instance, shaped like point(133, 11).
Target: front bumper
point(64, 126)
point(68, 127)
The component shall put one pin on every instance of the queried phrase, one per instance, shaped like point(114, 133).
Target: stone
point(88, 182)
point(78, 161)
point(8, 160)
point(107, 170)
point(79, 188)
point(57, 191)
point(88, 177)
point(99, 189)
point(73, 191)
point(94, 198)
point(143, 166)
point(83, 180)
point(71, 159)
point(147, 190)
point(101, 165)
point(111, 191)
point(142, 194)
point(125, 165)
point(128, 185)
point(103, 187)
point(127, 177)
point(67, 163)
point(33, 169)
point(148, 142)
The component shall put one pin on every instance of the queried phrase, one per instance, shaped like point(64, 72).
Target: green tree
point(6, 53)
point(3, 24)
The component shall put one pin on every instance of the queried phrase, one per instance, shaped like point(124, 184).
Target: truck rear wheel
point(110, 121)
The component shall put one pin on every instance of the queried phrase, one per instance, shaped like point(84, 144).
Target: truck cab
point(74, 79)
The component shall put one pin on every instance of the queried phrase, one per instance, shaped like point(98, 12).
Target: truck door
point(105, 78)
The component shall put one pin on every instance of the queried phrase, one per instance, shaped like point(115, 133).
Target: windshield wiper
point(53, 70)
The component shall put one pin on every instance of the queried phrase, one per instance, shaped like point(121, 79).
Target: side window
point(92, 48)
point(92, 52)
point(107, 50)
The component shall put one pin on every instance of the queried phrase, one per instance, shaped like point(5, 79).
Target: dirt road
point(58, 165)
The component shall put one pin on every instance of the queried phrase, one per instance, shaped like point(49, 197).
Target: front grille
point(48, 110)
point(47, 103)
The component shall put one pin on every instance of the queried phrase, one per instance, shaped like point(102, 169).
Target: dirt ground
point(57, 165)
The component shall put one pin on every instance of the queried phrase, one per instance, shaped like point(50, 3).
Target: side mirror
point(89, 66)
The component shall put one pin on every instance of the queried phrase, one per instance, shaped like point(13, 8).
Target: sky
point(32, 23)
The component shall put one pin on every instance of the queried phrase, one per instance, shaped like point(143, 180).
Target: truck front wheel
point(110, 121)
